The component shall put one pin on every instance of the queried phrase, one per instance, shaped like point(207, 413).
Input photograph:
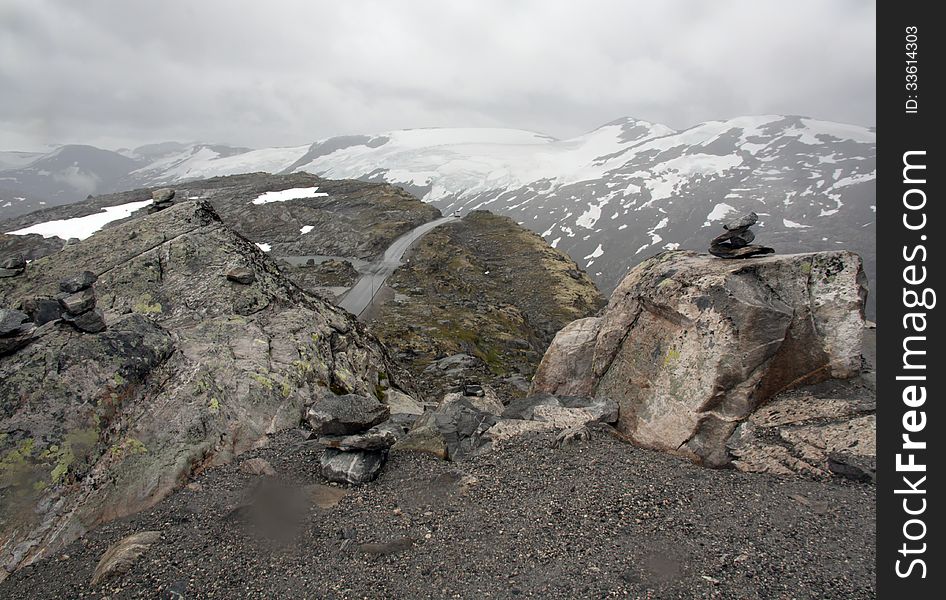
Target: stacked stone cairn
point(77, 299)
point(355, 433)
point(737, 240)
point(161, 199)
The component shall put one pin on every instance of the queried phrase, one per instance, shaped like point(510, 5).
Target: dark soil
point(595, 519)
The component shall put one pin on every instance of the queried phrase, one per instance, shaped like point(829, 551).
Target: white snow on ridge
point(588, 218)
point(290, 194)
point(854, 179)
point(842, 131)
point(718, 213)
point(794, 225)
point(264, 246)
point(205, 163)
point(675, 172)
point(306, 229)
point(599, 251)
point(468, 162)
point(82, 227)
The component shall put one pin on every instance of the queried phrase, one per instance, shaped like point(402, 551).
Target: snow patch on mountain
point(290, 194)
point(82, 227)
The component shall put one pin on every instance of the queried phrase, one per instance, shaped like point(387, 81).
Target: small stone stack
point(77, 299)
point(353, 431)
point(12, 266)
point(736, 242)
point(161, 199)
point(15, 330)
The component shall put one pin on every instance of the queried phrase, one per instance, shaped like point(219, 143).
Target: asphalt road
point(367, 287)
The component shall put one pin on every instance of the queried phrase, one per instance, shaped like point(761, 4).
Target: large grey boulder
point(691, 346)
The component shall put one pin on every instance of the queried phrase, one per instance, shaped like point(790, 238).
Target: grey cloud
point(284, 73)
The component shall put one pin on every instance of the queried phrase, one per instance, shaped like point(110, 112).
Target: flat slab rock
point(345, 415)
point(691, 346)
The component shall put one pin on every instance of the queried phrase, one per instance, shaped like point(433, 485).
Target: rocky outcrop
point(823, 430)
point(192, 370)
point(692, 347)
point(464, 424)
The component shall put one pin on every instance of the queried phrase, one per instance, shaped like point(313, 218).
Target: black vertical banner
point(911, 234)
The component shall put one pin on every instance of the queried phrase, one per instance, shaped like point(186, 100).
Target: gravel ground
point(596, 519)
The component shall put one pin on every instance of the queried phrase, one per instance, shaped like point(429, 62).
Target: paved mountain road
point(359, 297)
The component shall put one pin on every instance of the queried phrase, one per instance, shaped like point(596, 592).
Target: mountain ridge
point(610, 197)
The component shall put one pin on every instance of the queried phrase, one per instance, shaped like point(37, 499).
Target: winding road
point(359, 297)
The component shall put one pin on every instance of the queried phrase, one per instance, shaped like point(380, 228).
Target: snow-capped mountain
point(611, 197)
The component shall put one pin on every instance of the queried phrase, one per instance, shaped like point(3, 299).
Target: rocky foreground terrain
point(595, 519)
point(186, 412)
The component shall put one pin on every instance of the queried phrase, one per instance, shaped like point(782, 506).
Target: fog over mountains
point(609, 198)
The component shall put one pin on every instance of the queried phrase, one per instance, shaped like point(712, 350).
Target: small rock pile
point(77, 299)
point(356, 438)
point(736, 242)
point(15, 330)
point(12, 266)
point(466, 423)
point(161, 199)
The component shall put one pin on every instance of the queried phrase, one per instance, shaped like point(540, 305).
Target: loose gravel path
point(595, 519)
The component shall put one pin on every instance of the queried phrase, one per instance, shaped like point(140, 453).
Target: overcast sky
point(278, 73)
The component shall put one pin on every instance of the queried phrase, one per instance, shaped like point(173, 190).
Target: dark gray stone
point(345, 415)
point(42, 309)
point(13, 262)
point(163, 195)
point(78, 303)
point(9, 345)
point(11, 321)
point(376, 438)
point(241, 275)
point(749, 251)
point(736, 241)
point(78, 282)
point(474, 389)
point(742, 222)
point(92, 321)
point(356, 467)
point(849, 466)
